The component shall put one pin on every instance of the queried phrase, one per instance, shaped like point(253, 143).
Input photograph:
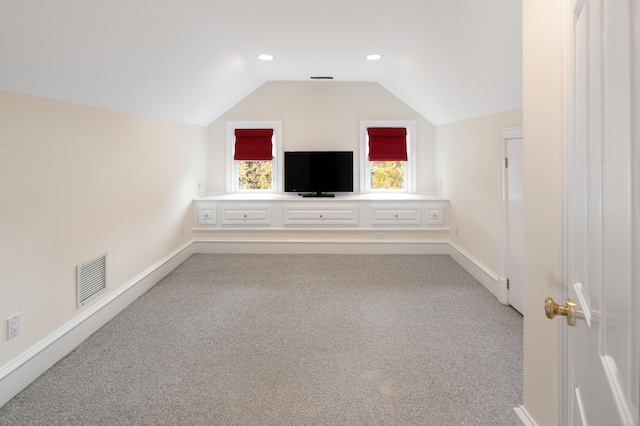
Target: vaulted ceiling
point(192, 60)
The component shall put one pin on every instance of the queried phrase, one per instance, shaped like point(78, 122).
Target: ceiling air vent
point(91, 279)
point(321, 78)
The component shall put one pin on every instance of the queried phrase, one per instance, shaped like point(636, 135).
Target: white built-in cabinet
point(354, 211)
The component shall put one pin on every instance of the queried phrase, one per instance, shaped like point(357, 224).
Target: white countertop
point(248, 196)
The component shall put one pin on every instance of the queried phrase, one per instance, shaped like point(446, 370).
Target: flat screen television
point(318, 173)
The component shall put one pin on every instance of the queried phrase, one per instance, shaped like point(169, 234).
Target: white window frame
point(232, 165)
point(410, 166)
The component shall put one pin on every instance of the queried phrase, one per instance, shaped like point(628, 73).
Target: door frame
point(505, 135)
point(564, 171)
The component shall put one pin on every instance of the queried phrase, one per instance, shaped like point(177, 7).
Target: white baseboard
point(21, 372)
point(523, 418)
point(322, 246)
point(479, 271)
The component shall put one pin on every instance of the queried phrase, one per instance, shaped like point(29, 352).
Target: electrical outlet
point(13, 326)
point(199, 185)
point(183, 228)
point(457, 229)
point(379, 235)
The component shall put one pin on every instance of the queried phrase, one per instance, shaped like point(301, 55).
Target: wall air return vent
point(91, 279)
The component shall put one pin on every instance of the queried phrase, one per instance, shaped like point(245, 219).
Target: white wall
point(542, 130)
point(75, 182)
point(321, 115)
point(468, 172)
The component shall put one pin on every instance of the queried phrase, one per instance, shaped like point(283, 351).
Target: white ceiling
point(192, 60)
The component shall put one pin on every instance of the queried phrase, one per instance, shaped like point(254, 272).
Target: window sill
point(424, 196)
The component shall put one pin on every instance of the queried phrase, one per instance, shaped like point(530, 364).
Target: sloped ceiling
point(192, 60)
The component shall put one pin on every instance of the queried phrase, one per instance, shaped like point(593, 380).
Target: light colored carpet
point(293, 340)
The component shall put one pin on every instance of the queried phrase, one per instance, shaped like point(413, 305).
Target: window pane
point(255, 175)
point(387, 174)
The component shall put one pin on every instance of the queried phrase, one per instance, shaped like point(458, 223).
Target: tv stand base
point(319, 194)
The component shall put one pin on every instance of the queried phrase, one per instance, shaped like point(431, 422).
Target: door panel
point(617, 249)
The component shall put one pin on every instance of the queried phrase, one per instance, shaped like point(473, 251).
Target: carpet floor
point(293, 340)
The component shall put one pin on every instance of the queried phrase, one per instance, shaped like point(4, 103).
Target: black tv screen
point(318, 172)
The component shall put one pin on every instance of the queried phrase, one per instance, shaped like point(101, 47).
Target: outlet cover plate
point(13, 326)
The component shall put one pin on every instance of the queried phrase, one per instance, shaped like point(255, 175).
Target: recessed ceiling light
point(265, 57)
point(373, 57)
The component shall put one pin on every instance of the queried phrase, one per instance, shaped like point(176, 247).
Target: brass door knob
point(552, 309)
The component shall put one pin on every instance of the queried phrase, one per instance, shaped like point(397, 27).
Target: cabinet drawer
point(403, 215)
point(259, 215)
point(207, 216)
point(328, 215)
point(434, 215)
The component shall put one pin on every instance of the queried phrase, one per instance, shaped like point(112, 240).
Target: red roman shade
point(253, 145)
point(387, 143)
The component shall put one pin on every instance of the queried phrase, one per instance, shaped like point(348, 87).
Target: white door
point(515, 230)
point(602, 235)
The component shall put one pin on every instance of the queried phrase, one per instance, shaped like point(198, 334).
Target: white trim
point(278, 158)
point(411, 166)
point(348, 197)
point(479, 271)
point(564, 381)
point(505, 136)
point(237, 245)
point(292, 230)
point(523, 418)
point(492, 282)
point(18, 374)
